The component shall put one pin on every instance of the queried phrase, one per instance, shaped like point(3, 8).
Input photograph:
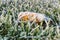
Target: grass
point(10, 29)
